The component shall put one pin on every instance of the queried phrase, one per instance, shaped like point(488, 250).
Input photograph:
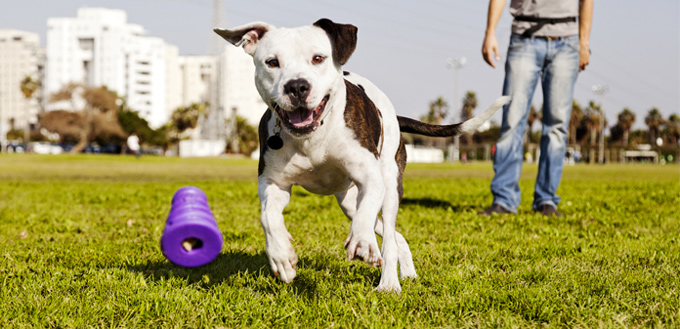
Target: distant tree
point(14, 133)
point(439, 108)
point(186, 117)
point(469, 105)
point(639, 136)
point(625, 122)
point(247, 137)
point(575, 122)
point(533, 116)
point(182, 119)
point(67, 93)
point(489, 136)
point(673, 128)
point(131, 122)
point(98, 118)
point(654, 121)
point(29, 86)
point(592, 118)
point(70, 126)
point(615, 134)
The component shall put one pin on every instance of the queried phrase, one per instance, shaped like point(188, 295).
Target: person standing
point(133, 144)
point(549, 42)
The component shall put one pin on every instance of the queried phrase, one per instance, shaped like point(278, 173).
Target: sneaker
point(548, 210)
point(494, 209)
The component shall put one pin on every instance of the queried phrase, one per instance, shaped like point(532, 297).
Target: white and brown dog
point(333, 133)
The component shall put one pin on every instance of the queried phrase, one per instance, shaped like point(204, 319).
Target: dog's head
point(297, 71)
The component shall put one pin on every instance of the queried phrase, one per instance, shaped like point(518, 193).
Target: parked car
point(92, 148)
point(15, 147)
point(111, 149)
point(44, 148)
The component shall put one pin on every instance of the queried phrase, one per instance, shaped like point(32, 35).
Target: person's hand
point(583, 57)
point(490, 49)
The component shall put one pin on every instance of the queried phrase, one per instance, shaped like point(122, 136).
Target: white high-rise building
point(227, 80)
point(239, 95)
point(20, 57)
point(197, 79)
point(99, 48)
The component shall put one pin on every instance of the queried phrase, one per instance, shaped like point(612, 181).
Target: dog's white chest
point(320, 175)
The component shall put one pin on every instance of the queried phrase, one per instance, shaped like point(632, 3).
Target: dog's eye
point(318, 59)
point(273, 63)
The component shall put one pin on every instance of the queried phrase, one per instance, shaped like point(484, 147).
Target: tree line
point(585, 125)
point(99, 115)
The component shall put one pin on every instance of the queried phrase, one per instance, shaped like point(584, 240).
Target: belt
point(551, 38)
point(542, 21)
point(545, 20)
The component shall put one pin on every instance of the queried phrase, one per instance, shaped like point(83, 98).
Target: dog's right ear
point(246, 36)
point(343, 38)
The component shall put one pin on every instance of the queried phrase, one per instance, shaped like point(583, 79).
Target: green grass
point(79, 247)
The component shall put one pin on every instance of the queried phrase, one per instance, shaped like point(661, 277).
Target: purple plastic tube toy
point(191, 237)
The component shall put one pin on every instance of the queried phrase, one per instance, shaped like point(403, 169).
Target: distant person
point(549, 42)
point(133, 144)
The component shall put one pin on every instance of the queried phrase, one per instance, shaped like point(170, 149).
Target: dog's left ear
point(343, 38)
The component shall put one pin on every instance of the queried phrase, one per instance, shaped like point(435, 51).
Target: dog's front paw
point(283, 262)
point(365, 249)
point(389, 285)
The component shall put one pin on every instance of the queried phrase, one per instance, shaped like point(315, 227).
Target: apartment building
point(100, 48)
point(20, 57)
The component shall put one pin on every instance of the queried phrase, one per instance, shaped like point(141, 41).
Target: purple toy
point(191, 237)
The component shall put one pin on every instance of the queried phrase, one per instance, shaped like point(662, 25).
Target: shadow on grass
point(252, 270)
point(222, 268)
point(434, 203)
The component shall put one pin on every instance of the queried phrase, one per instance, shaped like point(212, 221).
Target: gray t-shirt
point(545, 9)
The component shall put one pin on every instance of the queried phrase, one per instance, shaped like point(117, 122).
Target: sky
point(404, 45)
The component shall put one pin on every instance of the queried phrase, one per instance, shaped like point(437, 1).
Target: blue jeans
point(556, 64)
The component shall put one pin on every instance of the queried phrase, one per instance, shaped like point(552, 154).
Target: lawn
point(79, 239)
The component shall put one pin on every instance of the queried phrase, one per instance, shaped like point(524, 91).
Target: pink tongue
point(301, 118)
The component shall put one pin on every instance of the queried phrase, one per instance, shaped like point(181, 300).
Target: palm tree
point(653, 120)
point(438, 110)
point(673, 126)
point(592, 118)
point(28, 86)
point(574, 121)
point(626, 120)
point(531, 118)
point(469, 105)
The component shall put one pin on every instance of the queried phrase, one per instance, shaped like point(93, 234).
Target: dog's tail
point(407, 125)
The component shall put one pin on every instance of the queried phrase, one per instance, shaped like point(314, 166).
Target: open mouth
point(301, 121)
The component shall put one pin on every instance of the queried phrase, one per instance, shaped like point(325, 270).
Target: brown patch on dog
point(263, 131)
point(362, 117)
point(343, 38)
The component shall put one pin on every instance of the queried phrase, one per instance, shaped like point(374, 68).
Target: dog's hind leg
point(406, 268)
point(348, 204)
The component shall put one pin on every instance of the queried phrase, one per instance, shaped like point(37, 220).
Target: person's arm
point(490, 45)
point(585, 22)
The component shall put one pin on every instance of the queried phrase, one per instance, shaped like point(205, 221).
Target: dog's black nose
point(297, 89)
